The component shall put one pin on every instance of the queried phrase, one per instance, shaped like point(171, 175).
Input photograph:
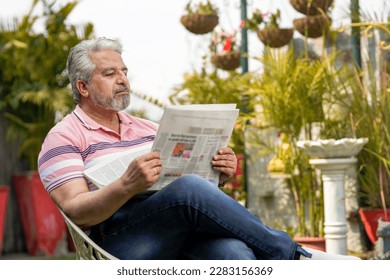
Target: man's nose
point(122, 78)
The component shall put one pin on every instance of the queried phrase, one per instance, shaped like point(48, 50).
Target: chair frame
point(86, 248)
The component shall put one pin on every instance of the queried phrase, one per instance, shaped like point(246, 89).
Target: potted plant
point(269, 31)
point(364, 95)
point(300, 177)
point(316, 22)
point(34, 95)
point(225, 52)
point(312, 26)
point(290, 94)
point(201, 18)
point(369, 112)
point(4, 192)
point(311, 7)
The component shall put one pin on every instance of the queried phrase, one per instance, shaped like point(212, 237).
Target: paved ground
point(71, 256)
point(25, 256)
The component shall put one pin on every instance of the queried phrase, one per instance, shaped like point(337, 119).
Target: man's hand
point(142, 172)
point(226, 163)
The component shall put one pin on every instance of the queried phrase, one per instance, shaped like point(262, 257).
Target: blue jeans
point(191, 218)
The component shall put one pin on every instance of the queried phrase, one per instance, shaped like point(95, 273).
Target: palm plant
point(290, 93)
point(34, 91)
point(368, 113)
point(369, 116)
point(375, 158)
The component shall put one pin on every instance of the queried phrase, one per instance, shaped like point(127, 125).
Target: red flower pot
point(4, 191)
point(42, 223)
point(318, 243)
point(370, 219)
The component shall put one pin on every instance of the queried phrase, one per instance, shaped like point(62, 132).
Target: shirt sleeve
point(59, 161)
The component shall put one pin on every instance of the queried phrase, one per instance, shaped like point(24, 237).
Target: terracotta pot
point(370, 219)
point(275, 37)
point(199, 24)
point(313, 8)
point(314, 25)
point(317, 243)
point(227, 61)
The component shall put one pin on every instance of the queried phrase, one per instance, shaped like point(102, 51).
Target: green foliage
point(307, 191)
point(258, 20)
point(291, 93)
point(203, 8)
point(34, 88)
point(295, 92)
point(369, 116)
point(291, 90)
point(253, 22)
point(364, 96)
point(375, 158)
point(210, 88)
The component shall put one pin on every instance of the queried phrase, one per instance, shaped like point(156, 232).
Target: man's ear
point(82, 86)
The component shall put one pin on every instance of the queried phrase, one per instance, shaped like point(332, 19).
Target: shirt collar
point(91, 124)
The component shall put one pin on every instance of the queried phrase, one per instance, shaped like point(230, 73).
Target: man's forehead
point(107, 59)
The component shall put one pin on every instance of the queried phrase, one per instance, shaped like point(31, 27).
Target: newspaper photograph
point(189, 136)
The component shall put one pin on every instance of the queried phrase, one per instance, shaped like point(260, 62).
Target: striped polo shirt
point(77, 142)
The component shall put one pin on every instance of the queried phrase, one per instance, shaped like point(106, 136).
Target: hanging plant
point(200, 19)
point(275, 37)
point(227, 61)
point(269, 31)
point(312, 26)
point(225, 51)
point(311, 7)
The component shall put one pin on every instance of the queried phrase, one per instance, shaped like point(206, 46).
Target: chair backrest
point(86, 248)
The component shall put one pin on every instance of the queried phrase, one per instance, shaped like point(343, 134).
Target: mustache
point(121, 89)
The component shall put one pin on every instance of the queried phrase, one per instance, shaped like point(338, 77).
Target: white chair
point(86, 248)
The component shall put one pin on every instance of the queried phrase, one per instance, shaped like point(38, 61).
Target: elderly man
point(191, 218)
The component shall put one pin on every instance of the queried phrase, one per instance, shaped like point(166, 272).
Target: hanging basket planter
point(311, 8)
point(275, 37)
point(227, 61)
point(199, 23)
point(313, 25)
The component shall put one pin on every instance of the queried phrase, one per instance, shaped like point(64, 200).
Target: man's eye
point(109, 74)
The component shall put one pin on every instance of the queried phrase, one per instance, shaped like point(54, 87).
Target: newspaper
point(187, 138)
point(107, 171)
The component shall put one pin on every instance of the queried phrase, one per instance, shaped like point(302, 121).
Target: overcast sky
point(158, 49)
